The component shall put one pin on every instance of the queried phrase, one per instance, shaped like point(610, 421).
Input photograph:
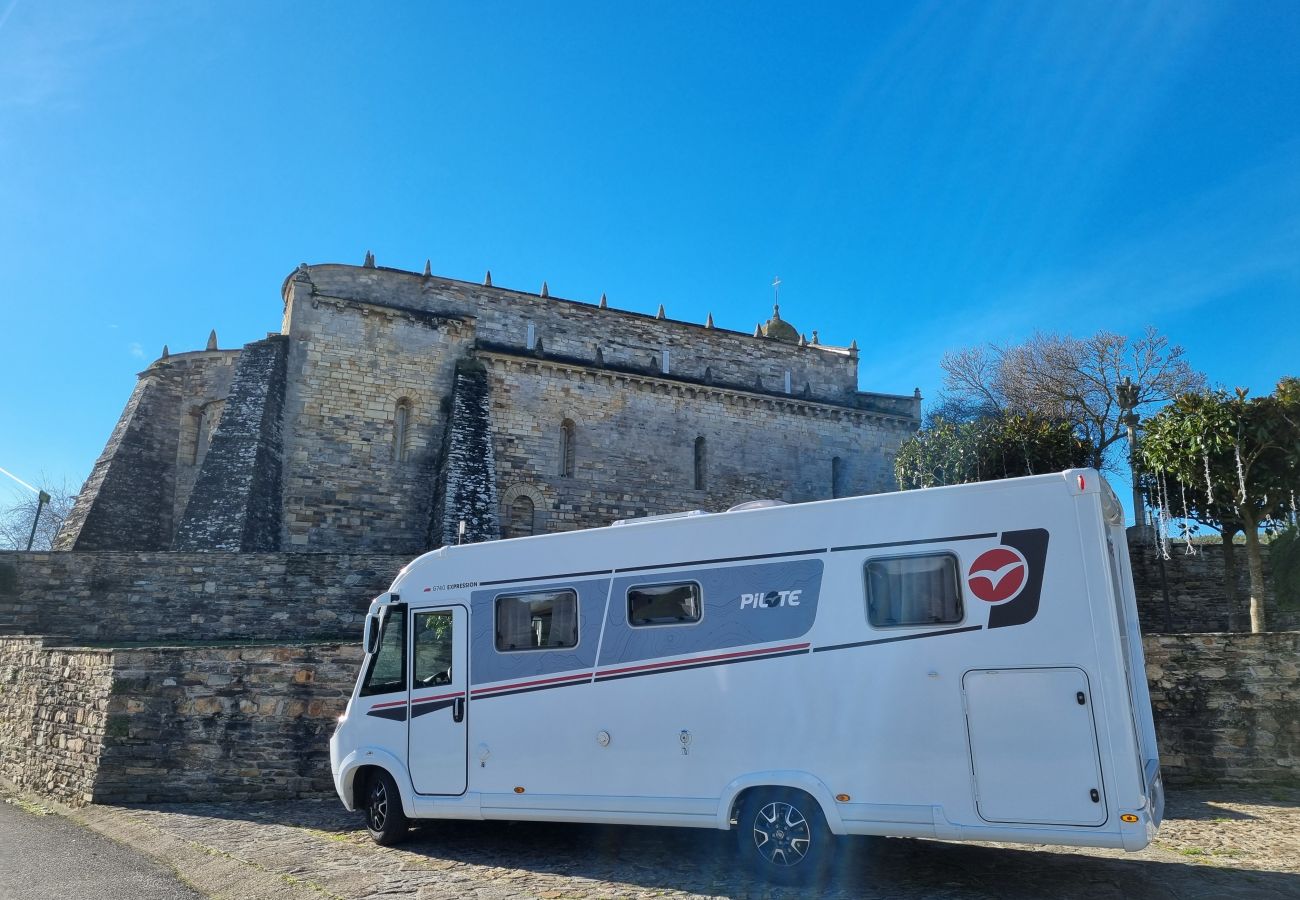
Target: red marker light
point(1082, 486)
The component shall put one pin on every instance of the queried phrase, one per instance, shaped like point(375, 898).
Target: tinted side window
point(387, 672)
point(542, 620)
point(913, 590)
point(664, 604)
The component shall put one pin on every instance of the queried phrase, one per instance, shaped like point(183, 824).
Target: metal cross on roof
point(776, 289)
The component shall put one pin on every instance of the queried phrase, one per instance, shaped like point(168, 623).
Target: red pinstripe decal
point(437, 697)
point(519, 684)
point(699, 659)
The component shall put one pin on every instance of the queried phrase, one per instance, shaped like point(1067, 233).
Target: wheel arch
point(355, 769)
point(734, 794)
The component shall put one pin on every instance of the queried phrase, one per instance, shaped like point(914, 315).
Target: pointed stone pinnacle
point(428, 268)
point(487, 279)
point(604, 303)
point(803, 341)
point(660, 314)
point(708, 323)
point(758, 330)
point(212, 340)
point(546, 291)
point(853, 345)
point(165, 354)
point(370, 261)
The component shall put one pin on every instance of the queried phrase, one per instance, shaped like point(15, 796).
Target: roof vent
point(757, 504)
point(676, 515)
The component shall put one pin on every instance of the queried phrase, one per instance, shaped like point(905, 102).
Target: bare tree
point(1064, 378)
point(18, 513)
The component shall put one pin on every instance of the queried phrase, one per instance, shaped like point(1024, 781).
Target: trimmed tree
point(988, 448)
point(1244, 454)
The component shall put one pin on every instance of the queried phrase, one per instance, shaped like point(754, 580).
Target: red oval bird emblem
point(998, 575)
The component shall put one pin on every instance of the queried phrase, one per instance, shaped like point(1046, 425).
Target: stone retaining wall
point(1227, 706)
point(53, 708)
point(205, 723)
point(1197, 599)
point(115, 597)
point(212, 723)
point(172, 723)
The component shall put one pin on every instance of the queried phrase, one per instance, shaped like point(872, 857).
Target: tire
point(385, 819)
point(782, 836)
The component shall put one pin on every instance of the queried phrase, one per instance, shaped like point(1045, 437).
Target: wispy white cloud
point(136, 350)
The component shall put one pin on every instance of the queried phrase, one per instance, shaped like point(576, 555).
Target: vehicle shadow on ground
point(1202, 806)
point(704, 861)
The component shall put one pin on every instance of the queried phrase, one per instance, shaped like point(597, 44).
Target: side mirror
point(372, 634)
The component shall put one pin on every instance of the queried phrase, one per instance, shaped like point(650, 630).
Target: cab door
point(437, 733)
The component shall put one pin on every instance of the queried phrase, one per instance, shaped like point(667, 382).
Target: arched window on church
point(567, 448)
point(700, 459)
point(209, 416)
point(401, 429)
point(837, 477)
point(522, 512)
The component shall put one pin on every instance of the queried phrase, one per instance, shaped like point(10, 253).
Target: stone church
point(392, 406)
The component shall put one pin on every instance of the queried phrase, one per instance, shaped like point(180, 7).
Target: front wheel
point(782, 835)
point(385, 819)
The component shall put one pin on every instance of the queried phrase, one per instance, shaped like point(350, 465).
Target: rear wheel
point(782, 835)
point(385, 819)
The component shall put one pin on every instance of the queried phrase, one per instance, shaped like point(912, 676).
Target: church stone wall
point(346, 485)
point(625, 339)
point(235, 503)
point(635, 444)
point(331, 436)
point(141, 480)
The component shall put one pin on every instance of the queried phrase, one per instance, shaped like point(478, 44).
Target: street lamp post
point(1128, 417)
point(41, 499)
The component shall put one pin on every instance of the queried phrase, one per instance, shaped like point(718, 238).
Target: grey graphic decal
point(488, 665)
point(743, 605)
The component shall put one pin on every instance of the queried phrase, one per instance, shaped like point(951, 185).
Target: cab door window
point(387, 672)
point(433, 648)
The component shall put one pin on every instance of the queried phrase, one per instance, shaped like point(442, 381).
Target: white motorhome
point(961, 663)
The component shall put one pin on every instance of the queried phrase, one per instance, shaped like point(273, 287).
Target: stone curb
point(213, 873)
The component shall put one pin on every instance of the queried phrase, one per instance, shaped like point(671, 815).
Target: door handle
point(458, 710)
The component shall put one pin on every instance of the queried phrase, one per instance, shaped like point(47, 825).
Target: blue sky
point(922, 177)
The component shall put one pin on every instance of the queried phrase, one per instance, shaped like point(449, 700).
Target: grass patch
point(28, 806)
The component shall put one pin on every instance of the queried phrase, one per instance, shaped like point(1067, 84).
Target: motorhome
point(961, 663)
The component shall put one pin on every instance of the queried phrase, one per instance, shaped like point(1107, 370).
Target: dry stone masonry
point(169, 723)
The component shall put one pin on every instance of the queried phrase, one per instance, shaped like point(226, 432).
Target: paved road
point(46, 856)
point(1215, 845)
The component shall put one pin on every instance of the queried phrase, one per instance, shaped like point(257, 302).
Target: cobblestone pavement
point(1214, 844)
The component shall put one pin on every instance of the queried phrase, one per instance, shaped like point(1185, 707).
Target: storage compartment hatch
point(1033, 746)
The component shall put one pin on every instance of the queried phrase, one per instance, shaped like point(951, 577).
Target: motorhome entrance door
point(436, 748)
